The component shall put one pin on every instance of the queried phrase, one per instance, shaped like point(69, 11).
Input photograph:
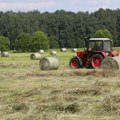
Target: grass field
point(27, 93)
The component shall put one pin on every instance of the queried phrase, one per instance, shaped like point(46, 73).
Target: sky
point(53, 5)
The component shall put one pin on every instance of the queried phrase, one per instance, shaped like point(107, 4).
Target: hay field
point(27, 93)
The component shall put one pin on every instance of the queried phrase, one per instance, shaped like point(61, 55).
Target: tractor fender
point(79, 59)
point(103, 54)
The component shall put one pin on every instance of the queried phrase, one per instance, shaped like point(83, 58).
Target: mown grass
point(27, 93)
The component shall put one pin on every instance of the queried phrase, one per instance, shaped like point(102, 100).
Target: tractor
point(95, 50)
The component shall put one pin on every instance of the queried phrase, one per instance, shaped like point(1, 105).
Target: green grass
point(28, 93)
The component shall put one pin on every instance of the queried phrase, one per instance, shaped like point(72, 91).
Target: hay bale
point(63, 49)
point(111, 63)
point(35, 56)
point(74, 50)
point(4, 54)
point(52, 52)
point(41, 51)
point(49, 63)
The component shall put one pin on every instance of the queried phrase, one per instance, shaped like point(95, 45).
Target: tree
point(103, 33)
point(117, 43)
point(69, 28)
point(4, 43)
point(39, 41)
point(23, 41)
point(53, 42)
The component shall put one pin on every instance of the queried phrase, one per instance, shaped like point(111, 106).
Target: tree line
point(63, 28)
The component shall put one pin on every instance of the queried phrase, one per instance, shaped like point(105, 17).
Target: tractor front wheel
point(96, 60)
point(74, 63)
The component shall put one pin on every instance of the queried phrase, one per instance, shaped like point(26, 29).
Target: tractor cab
point(96, 50)
point(99, 44)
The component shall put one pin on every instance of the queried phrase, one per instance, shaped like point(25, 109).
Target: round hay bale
point(4, 54)
point(74, 50)
point(49, 63)
point(52, 52)
point(41, 51)
point(63, 49)
point(111, 63)
point(35, 56)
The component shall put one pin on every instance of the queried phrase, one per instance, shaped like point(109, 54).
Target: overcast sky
point(53, 5)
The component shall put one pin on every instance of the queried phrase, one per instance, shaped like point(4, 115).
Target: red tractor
point(96, 50)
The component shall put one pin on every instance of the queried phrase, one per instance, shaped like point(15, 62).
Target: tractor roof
point(99, 39)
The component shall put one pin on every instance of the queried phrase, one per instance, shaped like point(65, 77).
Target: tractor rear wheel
point(74, 63)
point(96, 60)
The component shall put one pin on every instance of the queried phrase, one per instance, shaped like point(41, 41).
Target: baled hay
point(41, 51)
point(35, 56)
point(52, 52)
point(111, 63)
point(63, 49)
point(74, 50)
point(49, 63)
point(4, 54)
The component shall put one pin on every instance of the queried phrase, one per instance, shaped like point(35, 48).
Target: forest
point(63, 28)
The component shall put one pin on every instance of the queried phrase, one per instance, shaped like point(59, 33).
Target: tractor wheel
point(96, 60)
point(74, 63)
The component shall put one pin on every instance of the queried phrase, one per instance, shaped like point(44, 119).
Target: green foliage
point(39, 41)
point(4, 43)
point(103, 33)
point(68, 28)
point(53, 42)
point(23, 42)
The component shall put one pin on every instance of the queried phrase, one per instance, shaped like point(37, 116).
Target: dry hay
point(4, 54)
point(20, 107)
point(49, 63)
point(53, 53)
point(36, 74)
point(35, 56)
point(111, 63)
point(63, 49)
point(41, 51)
point(89, 90)
point(111, 103)
point(10, 65)
point(94, 73)
point(74, 50)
